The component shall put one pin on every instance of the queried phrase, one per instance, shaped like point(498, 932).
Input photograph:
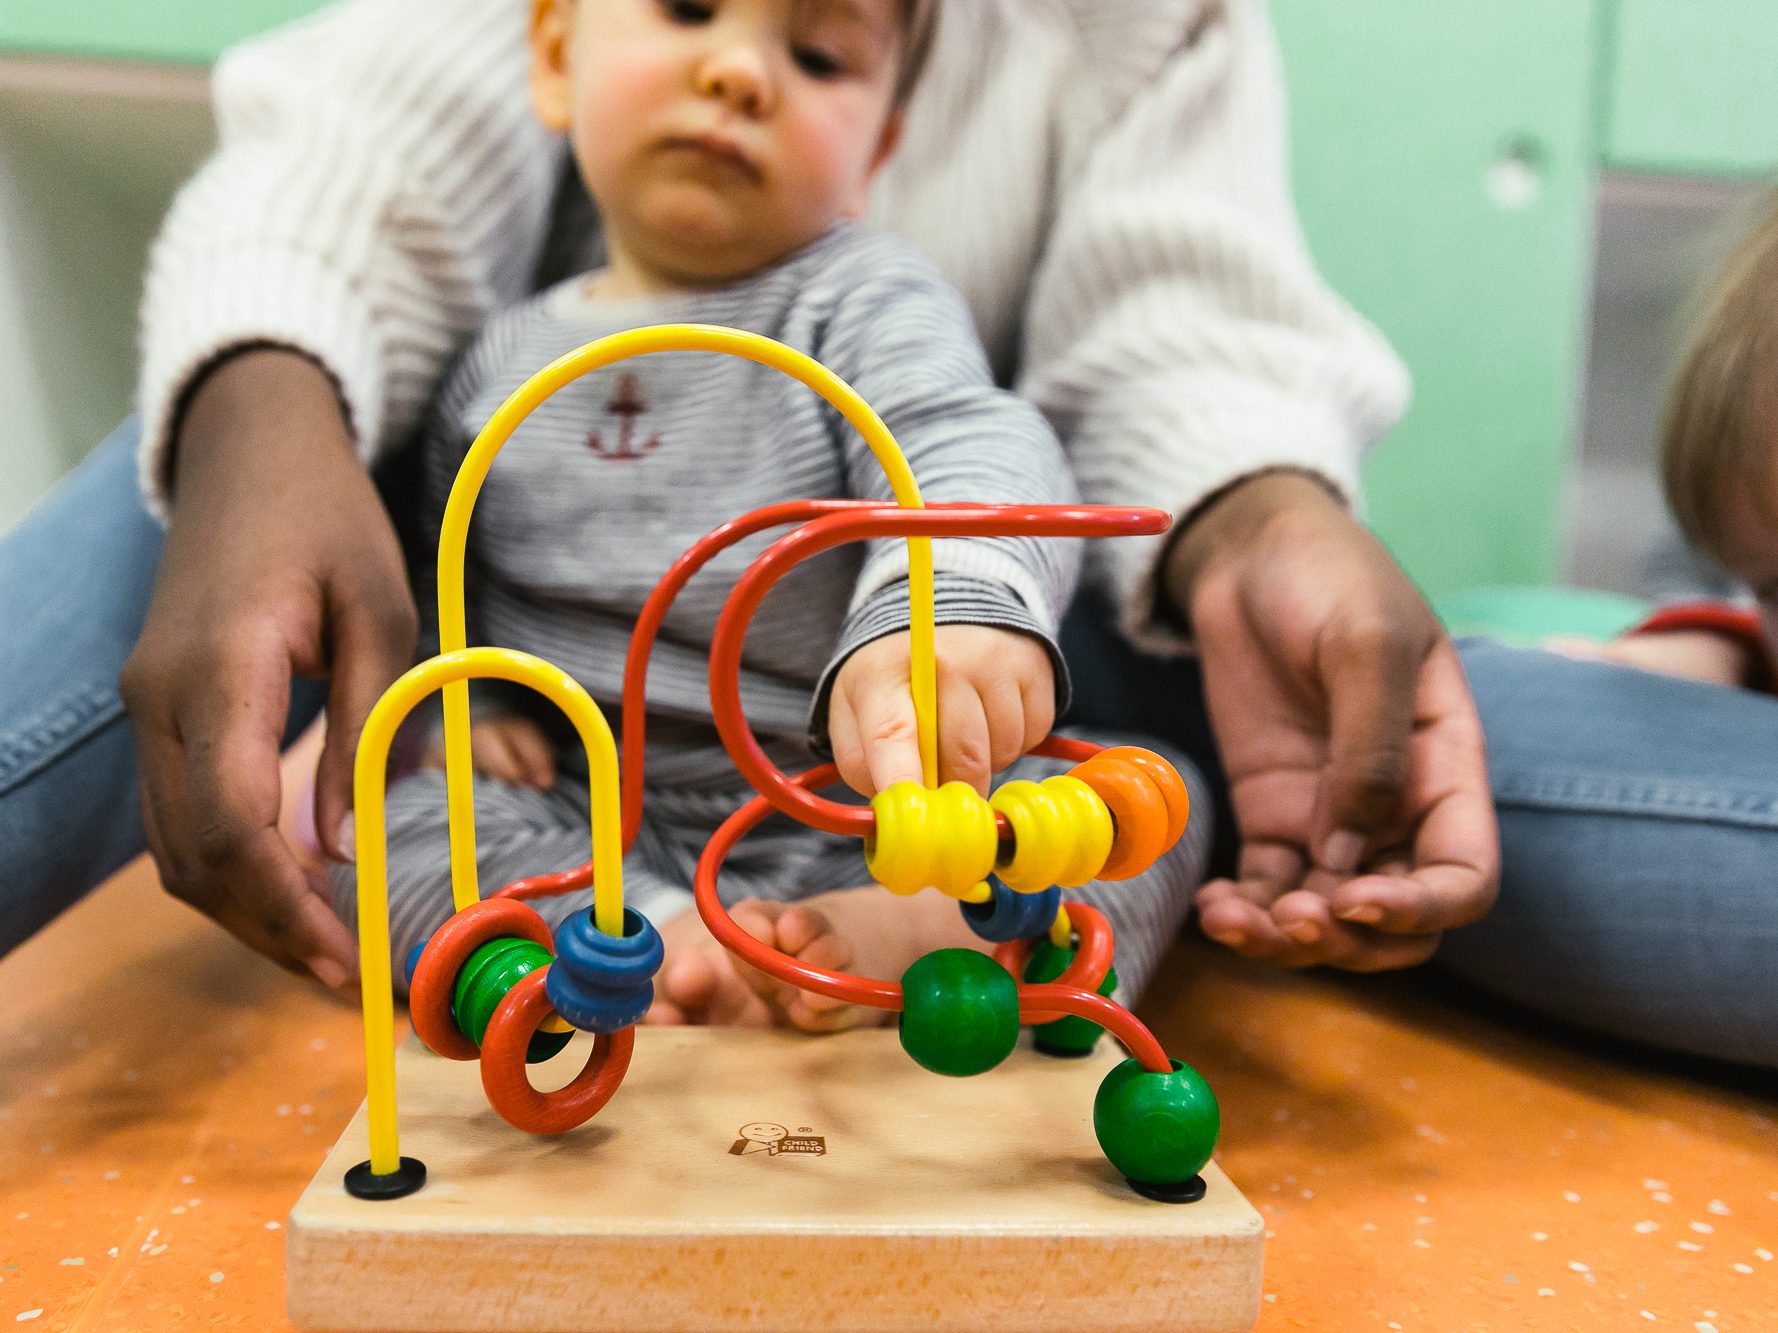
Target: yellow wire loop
point(369, 775)
point(454, 534)
point(942, 839)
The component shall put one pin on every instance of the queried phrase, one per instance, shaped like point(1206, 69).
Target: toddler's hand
point(506, 747)
point(996, 699)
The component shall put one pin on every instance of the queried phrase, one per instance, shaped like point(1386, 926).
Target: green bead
point(959, 1012)
point(1159, 1129)
point(487, 975)
point(1071, 1035)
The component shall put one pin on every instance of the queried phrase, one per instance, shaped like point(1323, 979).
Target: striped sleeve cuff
point(958, 600)
point(198, 312)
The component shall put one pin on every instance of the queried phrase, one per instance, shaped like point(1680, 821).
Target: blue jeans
point(1639, 815)
point(75, 579)
point(1639, 837)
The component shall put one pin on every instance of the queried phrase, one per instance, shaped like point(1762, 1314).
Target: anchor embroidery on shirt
point(627, 403)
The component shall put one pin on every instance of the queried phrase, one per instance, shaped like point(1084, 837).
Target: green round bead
point(487, 975)
point(1071, 1035)
point(1159, 1129)
point(959, 1012)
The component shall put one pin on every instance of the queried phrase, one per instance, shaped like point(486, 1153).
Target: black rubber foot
point(363, 1183)
point(1186, 1191)
point(1062, 1052)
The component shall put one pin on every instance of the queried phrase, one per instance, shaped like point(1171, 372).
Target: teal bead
point(960, 1012)
point(1068, 1036)
point(1158, 1129)
point(487, 975)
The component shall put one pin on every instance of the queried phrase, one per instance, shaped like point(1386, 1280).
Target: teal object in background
point(1692, 90)
point(191, 32)
point(1527, 616)
point(1444, 162)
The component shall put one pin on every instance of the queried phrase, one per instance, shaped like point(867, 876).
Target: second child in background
point(1719, 468)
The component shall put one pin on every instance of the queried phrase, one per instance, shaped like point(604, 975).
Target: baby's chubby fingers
point(870, 721)
point(965, 738)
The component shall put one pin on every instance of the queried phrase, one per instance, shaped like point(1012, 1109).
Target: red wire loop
point(1092, 955)
point(435, 978)
point(507, 1084)
point(822, 534)
point(1037, 1004)
point(825, 523)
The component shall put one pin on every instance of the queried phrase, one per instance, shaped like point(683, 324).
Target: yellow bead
point(942, 839)
point(1062, 833)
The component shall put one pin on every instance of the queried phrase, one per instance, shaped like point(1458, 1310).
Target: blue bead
point(601, 983)
point(413, 963)
point(1013, 916)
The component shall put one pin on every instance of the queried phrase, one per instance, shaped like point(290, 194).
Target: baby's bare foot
point(806, 933)
point(698, 984)
point(865, 931)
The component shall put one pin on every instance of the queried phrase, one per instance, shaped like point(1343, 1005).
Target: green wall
point(1444, 167)
point(184, 31)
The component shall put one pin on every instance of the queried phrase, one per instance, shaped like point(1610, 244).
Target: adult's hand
point(1354, 753)
point(280, 562)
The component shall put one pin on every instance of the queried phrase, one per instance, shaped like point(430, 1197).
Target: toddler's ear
point(885, 149)
point(552, 87)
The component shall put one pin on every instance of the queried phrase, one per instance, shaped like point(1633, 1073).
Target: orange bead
point(1149, 804)
point(1166, 780)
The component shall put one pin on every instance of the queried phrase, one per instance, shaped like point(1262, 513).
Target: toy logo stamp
point(762, 1136)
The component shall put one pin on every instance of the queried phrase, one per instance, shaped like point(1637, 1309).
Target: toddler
point(1719, 467)
point(729, 146)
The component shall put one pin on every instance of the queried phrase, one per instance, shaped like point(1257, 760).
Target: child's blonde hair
point(1721, 429)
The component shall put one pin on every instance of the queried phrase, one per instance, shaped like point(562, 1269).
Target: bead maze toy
point(891, 1205)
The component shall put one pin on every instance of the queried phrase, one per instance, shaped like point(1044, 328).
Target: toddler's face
point(720, 135)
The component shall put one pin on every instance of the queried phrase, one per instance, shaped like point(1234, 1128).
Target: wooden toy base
point(764, 1181)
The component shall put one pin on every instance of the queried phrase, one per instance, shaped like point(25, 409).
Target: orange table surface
point(165, 1095)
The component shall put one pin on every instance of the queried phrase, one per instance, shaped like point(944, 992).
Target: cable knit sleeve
point(380, 186)
point(1177, 335)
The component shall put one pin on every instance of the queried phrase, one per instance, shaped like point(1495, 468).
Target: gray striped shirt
point(619, 472)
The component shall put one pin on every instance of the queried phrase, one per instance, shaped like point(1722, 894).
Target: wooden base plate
point(766, 1181)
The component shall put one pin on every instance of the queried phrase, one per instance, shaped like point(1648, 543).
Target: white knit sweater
point(1104, 180)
